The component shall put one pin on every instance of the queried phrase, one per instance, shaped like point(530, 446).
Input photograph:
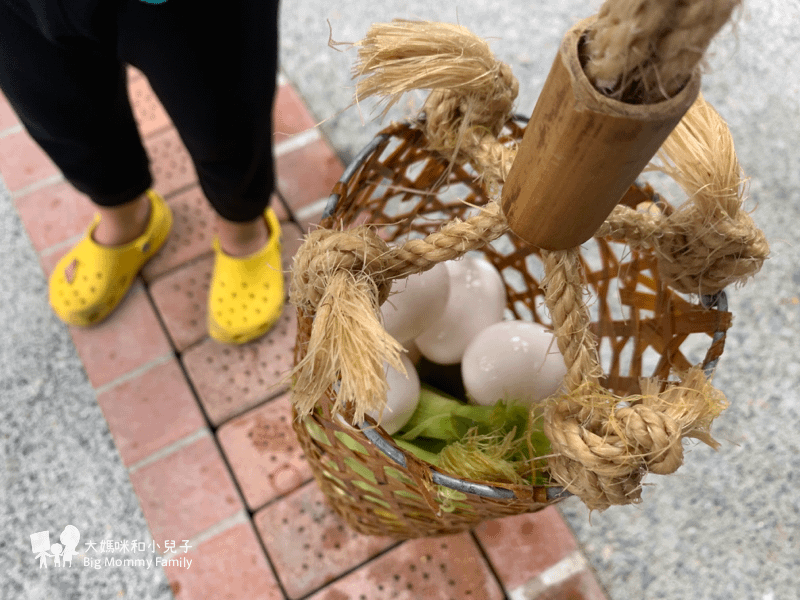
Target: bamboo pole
point(581, 152)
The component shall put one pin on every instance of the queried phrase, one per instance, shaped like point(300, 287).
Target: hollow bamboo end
point(581, 152)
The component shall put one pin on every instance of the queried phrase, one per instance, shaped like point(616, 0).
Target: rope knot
point(652, 437)
point(603, 447)
point(463, 124)
point(702, 251)
point(472, 92)
point(338, 277)
point(710, 241)
point(359, 252)
point(616, 442)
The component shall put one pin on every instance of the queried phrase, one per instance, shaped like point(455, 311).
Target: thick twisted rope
point(564, 290)
point(644, 51)
point(602, 448)
point(472, 93)
point(606, 446)
point(709, 242)
point(464, 127)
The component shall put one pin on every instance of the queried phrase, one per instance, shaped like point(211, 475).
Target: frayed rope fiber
point(472, 93)
point(709, 242)
point(603, 448)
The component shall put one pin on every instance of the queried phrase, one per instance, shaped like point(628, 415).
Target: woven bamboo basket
point(633, 288)
point(643, 327)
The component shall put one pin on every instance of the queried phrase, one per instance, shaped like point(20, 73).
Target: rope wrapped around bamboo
point(601, 448)
point(643, 51)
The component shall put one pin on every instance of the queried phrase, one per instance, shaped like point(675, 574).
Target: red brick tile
point(582, 586)
point(181, 297)
point(191, 235)
point(149, 114)
point(150, 411)
point(8, 118)
point(170, 163)
point(186, 492)
point(55, 213)
point(431, 568)
point(308, 174)
point(129, 338)
point(522, 547)
point(263, 452)
point(321, 546)
point(290, 115)
point(22, 162)
point(230, 565)
point(231, 379)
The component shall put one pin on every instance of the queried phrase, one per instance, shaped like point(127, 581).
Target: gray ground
point(726, 526)
point(58, 462)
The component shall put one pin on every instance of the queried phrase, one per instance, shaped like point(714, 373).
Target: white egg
point(512, 360)
point(415, 303)
point(477, 300)
point(402, 398)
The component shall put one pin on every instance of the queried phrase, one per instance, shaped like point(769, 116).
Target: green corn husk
point(442, 417)
point(501, 443)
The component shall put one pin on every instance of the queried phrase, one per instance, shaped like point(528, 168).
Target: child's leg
point(70, 92)
point(214, 68)
point(71, 96)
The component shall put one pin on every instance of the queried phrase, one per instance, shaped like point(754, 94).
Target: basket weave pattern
point(407, 191)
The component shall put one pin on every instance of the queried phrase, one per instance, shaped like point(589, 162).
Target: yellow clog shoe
point(247, 293)
point(91, 280)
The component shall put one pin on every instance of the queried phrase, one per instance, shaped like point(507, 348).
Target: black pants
point(213, 65)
